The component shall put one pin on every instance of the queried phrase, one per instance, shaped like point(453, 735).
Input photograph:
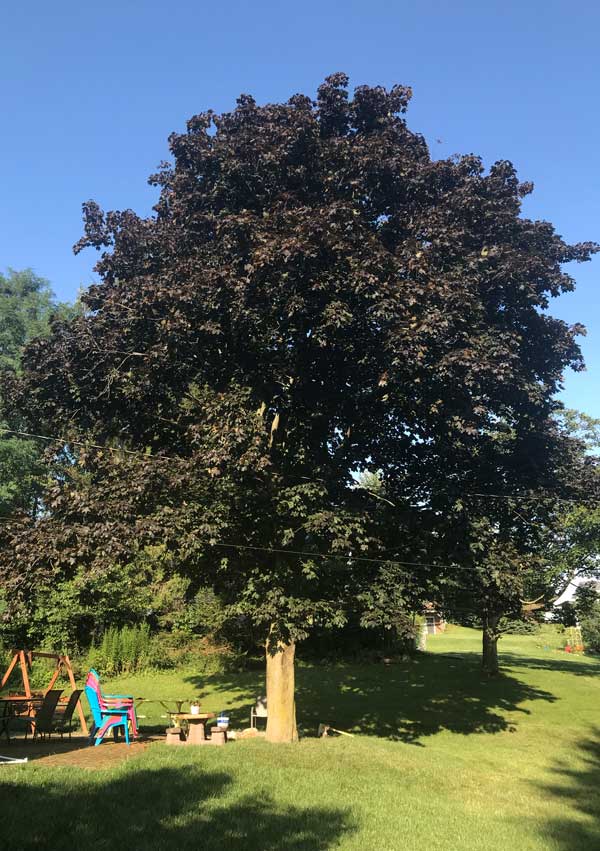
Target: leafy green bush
point(519, 626)
point(587, 607)
point(134, 649)
point(202, 654)
point(202, 614)
point(124, 650)
point(590, 632)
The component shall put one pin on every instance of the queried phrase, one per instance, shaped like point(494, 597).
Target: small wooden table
point(10, 707)
point(196, 732)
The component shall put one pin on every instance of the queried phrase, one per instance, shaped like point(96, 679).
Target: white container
point(195, 709)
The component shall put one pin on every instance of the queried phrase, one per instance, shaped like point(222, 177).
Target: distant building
point(434, 622)
point(568, 594)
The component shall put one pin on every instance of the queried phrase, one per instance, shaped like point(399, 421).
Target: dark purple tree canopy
point(313, 296)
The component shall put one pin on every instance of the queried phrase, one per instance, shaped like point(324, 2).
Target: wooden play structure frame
point(62, 664)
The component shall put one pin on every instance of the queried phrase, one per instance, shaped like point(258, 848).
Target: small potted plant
point(194, 708)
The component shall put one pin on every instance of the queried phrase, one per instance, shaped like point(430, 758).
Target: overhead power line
point(160, 457)
point(86, 443)
point(346, 557)
point(339, 556)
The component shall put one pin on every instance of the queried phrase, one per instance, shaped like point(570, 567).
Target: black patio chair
point(41, 722)
point(62, 721)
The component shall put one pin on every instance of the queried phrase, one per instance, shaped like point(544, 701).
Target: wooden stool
point(174, 736)
point(217, 737)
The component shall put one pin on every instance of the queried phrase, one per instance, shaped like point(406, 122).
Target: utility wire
point(526, 498)
point(333, 556)
point(101, 447)
point(159, 457)
point(338, 556)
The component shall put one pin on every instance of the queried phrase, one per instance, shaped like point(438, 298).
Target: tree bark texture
point(490, 644)
point(281, 703)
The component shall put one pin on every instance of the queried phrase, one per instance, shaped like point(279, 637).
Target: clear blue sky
point(90, 91)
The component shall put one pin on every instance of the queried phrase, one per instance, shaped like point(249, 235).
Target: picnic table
point(167, 704)
point(195, 723)
point(15, 705)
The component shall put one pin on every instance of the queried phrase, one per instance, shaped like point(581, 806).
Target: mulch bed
point(77, 752)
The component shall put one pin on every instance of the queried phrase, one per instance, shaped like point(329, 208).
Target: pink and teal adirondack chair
point(106, 719)
point(113, 701)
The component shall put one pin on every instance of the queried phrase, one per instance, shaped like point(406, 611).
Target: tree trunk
point(490, 644)
point(281, 704)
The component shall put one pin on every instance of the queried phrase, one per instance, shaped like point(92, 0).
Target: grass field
point(442, 760)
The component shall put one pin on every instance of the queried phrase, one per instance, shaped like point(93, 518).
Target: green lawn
point(442, 760)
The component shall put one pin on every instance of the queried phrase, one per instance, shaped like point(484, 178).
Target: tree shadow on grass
point(576, 826)
point(157, 810)
point(578, 666)
point(406, 702)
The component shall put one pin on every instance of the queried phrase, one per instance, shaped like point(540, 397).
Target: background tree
point(537, 540)
point(27, 306)
point(574, 545)
point(586, 605)
point(314, 297)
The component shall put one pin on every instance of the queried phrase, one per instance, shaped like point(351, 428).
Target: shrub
point(202, 654)
point(124, 650)
point(590, 632)
point(518, 626)
point(133, 649)
point(587, 606)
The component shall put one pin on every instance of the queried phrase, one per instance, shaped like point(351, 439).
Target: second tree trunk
point(490, 644)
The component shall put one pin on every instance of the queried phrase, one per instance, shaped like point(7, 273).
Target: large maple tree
point(313, 296)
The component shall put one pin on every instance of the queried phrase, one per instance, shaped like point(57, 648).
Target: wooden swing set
point(62, 665)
